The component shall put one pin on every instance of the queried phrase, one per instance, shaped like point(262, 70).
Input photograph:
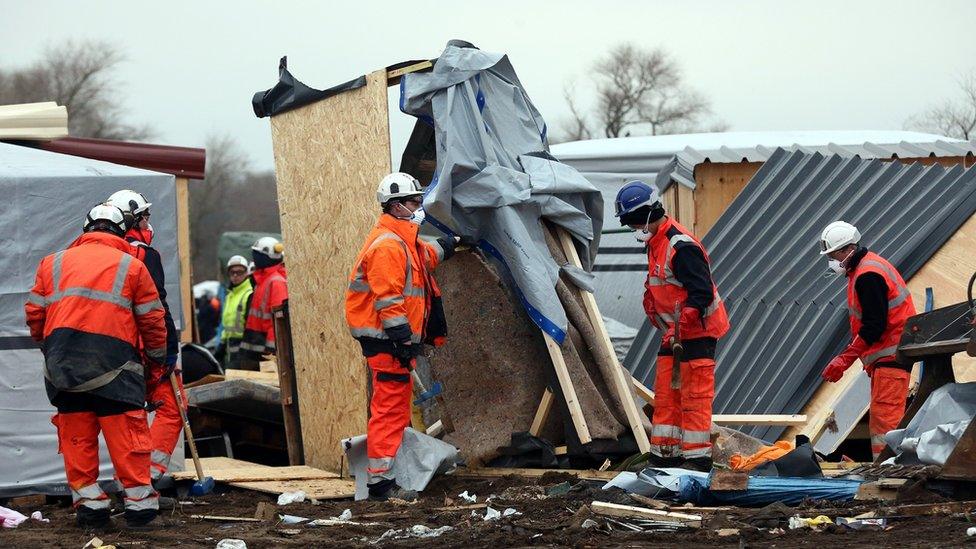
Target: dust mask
point(641, 234)
point(838, 267)
point(418, 216)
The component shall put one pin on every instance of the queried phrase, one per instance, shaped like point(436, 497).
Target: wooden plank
point(685, 211)
point(759, 419)
point(542, 413)
point(325, 488)
point(646, 394)
point(224, 463)
point(618, 383)
point(285, 368)
point(496, 472)
point(260, 473)
point(268, 378)
point(436, 429)
point(561, 450)
point(205, 380)
point(218, 518)
point(393, 77)
point(568, 389)
point(183, 249)
point(339, 146)
point(629, 511)
point(716, 186)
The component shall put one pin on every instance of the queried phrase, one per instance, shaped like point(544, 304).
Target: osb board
point(947, 273)
point(685, 207)
point(268, 378)
point(716, 186)
point(214, 464)
point(329, 157)
point(260, 473)
point(327, 488)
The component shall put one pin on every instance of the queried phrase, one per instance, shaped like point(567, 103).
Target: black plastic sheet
point(290, 93)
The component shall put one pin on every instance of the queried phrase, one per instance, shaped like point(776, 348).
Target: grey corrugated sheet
point(787, 319)
point(681, 168)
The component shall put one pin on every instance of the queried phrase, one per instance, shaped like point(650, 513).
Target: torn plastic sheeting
point(653, 482)
point(495, 179)
point(765, 490)
point(290, 93)
point(933, 433)
point(418, 460)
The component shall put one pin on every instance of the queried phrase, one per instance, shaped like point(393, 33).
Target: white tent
point(45, 199)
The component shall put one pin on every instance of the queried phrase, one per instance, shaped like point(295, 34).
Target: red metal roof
point(180, 161)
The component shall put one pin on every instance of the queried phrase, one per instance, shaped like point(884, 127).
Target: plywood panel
point(329, 157)
point(183, 245)
point(670, 200)
point(716, 186)
point(327, 488)
point(685, 207)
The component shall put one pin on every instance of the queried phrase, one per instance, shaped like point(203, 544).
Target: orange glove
point(835, 370)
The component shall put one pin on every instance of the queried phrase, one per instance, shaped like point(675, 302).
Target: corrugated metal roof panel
point(681, 168)
point(787, 319)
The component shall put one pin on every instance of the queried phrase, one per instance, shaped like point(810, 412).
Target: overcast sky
point(765, 65)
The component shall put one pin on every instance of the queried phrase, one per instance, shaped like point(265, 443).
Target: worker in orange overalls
point(879, 305)
point(90, 306)
point(167, 423)
point(679, 278)
point(270, 290)
point(392, 308)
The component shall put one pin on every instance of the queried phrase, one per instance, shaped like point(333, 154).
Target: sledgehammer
point(435, 393)
point(203, 485)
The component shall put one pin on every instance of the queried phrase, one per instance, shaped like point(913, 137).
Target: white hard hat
point(837, 235)
point(129, 202)
point(398, 185)
point(269, 246)
point(238, 261)
point(106, 212)
point(250, 268)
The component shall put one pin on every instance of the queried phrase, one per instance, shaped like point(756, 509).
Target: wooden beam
point(436, 429)
point(568, 389)
point(629, 511)
point(542, 413)
point(393, 77)
point(618, 383)
point(288, 388)
point(642, 391)
point(759, 419)
point(186, 266)
point(498, 472)
point(561, 450)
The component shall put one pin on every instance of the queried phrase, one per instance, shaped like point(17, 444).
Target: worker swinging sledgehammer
point(393, 308)
point(680, 298)
point(879, 305)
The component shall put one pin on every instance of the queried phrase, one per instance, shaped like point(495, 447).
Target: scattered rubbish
point(934, 431)
point(231, 543)
point(797, 522)
point(470, 498)
point(97, 543)
point(495, 514)
point(419, 459)
point(764, 490)
point(560, 489)
point(36, 515)
point(652, 515)
point(971, 531)
point(291, 497)
point(289, 531)
point(10, 518)
point(415, 531)
point(654, 482)
point(339, 522)
point(292, 519)
point(218, 518)
point(345, 515)
point(863, 523)
point(726, 532)
point(589, 523)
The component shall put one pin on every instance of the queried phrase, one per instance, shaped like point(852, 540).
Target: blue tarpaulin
point(762, 491)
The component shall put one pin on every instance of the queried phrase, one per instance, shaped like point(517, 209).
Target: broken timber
point(629, 511)
point(542, 414)
point(568, 389)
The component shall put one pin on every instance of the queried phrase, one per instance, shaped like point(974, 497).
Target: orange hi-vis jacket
point(270, 291)
point(89, 307)
point(390, 286)
point(900, 307)
point(663, 290)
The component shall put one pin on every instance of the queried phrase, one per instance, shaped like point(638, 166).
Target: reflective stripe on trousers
point(90, 496)
point(160, 463)
point(141, 498)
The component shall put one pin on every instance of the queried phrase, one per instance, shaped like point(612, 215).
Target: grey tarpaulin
point(934, 431)
point(418, 460)
point(495, 179)
point(46, 196)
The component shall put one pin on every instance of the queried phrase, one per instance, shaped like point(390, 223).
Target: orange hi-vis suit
point(89, 308)
point(167, 423)
point(270, 291)
point(889, 379)
point(390, 300)
point(679, 274)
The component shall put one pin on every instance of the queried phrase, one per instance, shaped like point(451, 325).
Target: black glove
point(403, 351)
point(468, 242)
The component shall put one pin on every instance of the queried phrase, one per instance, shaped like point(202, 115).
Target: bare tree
point(576, 128)
point(80, 76)
point(953, 117)
point(639, 91)
point(230, 198)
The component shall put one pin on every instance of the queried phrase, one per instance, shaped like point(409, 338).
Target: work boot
point(167, 504)
point(701, 464)
point(388, 489)
point(163, 482)
point(139, 520)
point(93, 519)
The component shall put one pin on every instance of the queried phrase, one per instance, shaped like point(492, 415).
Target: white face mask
point(838, 267)
point(418, 216)
point(641, 234)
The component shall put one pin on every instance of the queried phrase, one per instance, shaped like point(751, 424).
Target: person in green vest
point(234, 311)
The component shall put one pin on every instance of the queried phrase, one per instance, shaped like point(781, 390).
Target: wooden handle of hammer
point(186, 425)
point(676, 349)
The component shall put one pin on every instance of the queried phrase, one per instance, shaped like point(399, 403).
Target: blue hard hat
point(634, 195)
